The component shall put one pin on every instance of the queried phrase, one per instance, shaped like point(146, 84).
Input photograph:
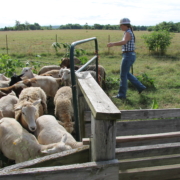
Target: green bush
point(8, 66)
point(158, 41)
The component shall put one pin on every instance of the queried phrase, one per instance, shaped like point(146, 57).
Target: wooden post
point(109, 42)
point(103, 118)
point(56, 38)
point(103, 142)
point(6, 44)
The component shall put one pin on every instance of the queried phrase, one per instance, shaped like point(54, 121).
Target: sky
point(62, 12)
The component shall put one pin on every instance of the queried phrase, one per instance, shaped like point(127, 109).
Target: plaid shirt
point(130, 46)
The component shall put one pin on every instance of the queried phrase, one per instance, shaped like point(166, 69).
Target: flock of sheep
point(27, 130)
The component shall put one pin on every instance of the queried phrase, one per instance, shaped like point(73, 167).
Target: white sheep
point(50, 131)
point(18, 144)
point(31, 105)
point(64, 107)
point(4, 83)
point(53, 73)
point(49, 84)
point(4, 78)
point(66, 75)
point(27, 72)
point(48, 68)
point(7, 105)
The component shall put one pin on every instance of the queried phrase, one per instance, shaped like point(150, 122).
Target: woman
point(128, 58)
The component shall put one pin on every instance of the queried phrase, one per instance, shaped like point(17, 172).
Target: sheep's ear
point(18, 108)
point(37, 102)
point(64, 138)
point(17, 114)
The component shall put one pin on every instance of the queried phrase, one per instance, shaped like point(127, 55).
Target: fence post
point(109, 42)
point(6, 44)
point(103, 142)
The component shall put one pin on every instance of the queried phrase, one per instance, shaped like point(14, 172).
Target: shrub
point(112, 82)
point(158, 41)
point(147, 81)
point(8, 66)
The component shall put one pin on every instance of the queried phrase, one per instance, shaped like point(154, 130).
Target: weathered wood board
point(100, 104)
point(79, 155)
point(90, 171)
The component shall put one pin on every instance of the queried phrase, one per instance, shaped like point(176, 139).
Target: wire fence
point(24, 44)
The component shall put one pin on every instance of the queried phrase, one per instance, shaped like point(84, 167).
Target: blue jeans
point(127, 61)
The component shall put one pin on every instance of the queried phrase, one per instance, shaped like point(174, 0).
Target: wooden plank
point(149, 161)
point(125, 128)
point(124, 139)
point(141, 127)
point(168, 172)
point(103, 141)
point(100, 104)
point(147, 151)
point(134, 127)
point(149, 113)
point(147, 142)
point(90, 171)
point(79, 155)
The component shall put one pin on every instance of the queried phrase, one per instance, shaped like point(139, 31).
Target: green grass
point(163, 70)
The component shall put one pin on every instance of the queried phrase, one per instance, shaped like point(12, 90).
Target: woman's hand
point(110, 44)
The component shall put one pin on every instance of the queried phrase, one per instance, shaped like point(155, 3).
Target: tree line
point(170, 26)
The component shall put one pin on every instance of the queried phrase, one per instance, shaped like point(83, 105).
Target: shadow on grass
point(175, 57)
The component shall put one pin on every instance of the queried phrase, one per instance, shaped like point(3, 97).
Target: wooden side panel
point(88, 171)
point(149, 161)
point(79, 155)
point(169, 172)
point(149, 114)
point(147, 151)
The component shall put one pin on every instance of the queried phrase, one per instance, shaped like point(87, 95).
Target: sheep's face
point(28, 115)
point(66, 75)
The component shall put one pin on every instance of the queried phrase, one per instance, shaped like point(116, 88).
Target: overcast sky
point(61, 12)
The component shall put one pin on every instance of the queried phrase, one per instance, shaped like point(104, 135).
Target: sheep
point(18, 144)
point(54, 73)
point(66, 75)
point(49, 84)
point(15, 78)
point(7, 105)
point(2, 94)
point(27, 72)
point(17, 88)
point(31, 105)
point(64, 108)
point(4, 78)
point(48, 68)
point(101, 72)
point(50, 131)
point(4, 83)
point(66, 62)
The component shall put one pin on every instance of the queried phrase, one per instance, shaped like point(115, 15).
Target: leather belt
point(127, 51)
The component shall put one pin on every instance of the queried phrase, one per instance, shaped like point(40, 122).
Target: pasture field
point(162, 71)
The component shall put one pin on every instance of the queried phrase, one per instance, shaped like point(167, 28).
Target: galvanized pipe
point(73, 79)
